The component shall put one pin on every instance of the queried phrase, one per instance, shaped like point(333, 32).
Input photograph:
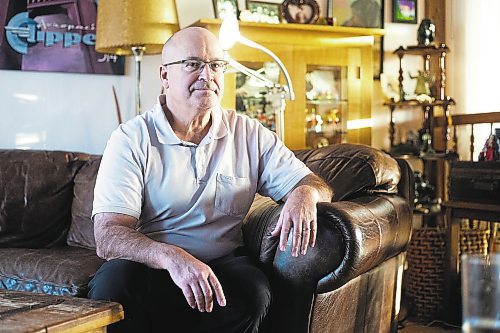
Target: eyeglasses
point(197, 65)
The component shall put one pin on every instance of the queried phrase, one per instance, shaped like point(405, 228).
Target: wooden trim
point(436, 11)
point(473, 118)
point(471, 205)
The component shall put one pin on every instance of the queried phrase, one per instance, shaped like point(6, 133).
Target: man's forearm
point(325, 192)
point(118, 241)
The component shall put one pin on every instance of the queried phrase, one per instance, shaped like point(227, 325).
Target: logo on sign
point(21, 31)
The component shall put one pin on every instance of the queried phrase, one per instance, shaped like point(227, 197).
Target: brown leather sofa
point(349, 282)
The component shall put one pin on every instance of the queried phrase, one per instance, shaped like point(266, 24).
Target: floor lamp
point(229, 34)
point(138, 27)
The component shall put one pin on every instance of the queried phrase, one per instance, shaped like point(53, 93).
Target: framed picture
point(300, 11)
point(52, 50)
point(404, 11)
point(357, 13)
point(224, 8)
point(378, 57)
point(261, 11)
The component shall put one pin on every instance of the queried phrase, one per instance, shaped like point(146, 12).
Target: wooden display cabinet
point(303, 48)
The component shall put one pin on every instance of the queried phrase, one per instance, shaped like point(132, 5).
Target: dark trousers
point(153, 303)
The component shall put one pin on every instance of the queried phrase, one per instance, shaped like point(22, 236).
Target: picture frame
point(263, 11)
point(300, 11)
point(404, 11)
point(378, 57)
point(223, 8)
point(357, 13)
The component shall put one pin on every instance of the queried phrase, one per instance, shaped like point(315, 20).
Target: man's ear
point(164, 77)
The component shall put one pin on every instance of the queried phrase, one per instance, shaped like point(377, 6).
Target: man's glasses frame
point(216, 66)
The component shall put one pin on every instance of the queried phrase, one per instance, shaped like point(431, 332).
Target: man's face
point(185, 86)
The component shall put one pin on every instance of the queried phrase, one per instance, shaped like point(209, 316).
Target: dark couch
point(355, 269)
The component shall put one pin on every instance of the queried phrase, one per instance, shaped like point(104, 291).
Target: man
point(173, 187)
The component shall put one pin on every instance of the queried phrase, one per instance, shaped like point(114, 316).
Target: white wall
point(474, 69)
point(68, 111)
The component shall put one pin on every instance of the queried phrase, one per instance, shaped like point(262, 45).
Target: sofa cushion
point(81, 232)
point(353, 169)
point(58, 271)
point(36, 190)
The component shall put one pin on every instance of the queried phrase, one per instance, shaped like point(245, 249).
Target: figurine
point(424, 82)
point(491, 149)
point(426, 32)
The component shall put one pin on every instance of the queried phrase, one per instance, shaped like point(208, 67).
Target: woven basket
point(426, 258)
point(474, 239)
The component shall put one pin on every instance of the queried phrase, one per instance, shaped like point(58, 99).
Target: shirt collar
point(166, 134)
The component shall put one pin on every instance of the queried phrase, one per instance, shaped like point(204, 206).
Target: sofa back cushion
point(81, 232)
point(36, 190)
point(353, 169)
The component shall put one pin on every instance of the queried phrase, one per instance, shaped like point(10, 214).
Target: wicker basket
point(426, 258)
point(474, 238)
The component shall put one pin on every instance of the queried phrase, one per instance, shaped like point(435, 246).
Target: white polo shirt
point(193, 196)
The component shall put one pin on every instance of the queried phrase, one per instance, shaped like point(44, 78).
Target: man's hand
point(116, 237)
point(197, 282)
point(299, 213)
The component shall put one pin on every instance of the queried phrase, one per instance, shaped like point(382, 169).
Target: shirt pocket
point(233, 195)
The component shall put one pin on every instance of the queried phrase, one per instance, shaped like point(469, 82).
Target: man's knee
point(117, 279)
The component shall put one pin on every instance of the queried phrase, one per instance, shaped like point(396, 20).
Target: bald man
point(172, 190)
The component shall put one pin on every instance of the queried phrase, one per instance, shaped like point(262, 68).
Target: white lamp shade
point(229, 32)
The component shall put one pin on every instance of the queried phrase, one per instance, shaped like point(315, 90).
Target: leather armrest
point(353, 237)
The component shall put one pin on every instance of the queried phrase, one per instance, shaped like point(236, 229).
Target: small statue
point(424, 83)
point(426, 32)
point(491, 149)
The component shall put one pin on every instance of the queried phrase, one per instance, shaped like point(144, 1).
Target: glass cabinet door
point(252, 97)
point(326, 105)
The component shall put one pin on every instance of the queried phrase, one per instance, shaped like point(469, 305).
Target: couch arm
point(353, 237)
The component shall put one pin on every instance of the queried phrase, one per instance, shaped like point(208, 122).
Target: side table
point(22, 312)
point(454, 211)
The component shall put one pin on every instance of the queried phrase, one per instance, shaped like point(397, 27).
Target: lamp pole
point(138, 52)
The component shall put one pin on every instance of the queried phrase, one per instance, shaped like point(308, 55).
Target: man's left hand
point(299, 213)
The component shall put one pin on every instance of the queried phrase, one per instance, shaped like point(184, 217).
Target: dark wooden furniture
point(455, 210)
point(434, 157)
point(31, 312)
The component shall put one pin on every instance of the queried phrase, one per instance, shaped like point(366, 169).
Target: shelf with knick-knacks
point(430, 92)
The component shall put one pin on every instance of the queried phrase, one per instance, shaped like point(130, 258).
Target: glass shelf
point(326, 105)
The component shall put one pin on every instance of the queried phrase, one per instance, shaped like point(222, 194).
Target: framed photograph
point(261, 11)
point(357, 13)
point(404, 11)
point(300, 11)
point(224, 8)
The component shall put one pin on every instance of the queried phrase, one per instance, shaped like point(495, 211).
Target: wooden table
point(22, 312)
point(454, 211)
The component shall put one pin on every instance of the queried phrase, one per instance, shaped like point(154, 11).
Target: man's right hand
point(116, 237)
point(196, 280)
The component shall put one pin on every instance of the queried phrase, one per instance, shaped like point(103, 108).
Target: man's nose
point(206, 72)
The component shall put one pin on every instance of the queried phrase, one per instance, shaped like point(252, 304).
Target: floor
point(433, 327)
